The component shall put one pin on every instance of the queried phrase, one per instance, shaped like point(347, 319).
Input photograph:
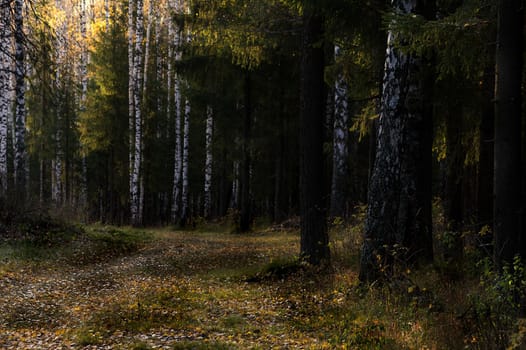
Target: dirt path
point(181, 288)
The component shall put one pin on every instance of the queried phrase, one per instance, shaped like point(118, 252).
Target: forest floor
point(109, 288)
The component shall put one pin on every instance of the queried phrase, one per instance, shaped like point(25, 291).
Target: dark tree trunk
point(314, 238)
point(224, 185)
point(245, 205)
point(485, 171)
point(279, 211)
point(509, 61)
point(398, 218)
point(453, 201)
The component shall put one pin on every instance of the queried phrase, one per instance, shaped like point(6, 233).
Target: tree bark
point(131, 84)
point(508, 113)
point(208, 162)
point(399, 199)
point(135, 191)
point(453, 201)
point(20, 108)
point(340, 161)
point(314, 245)
point(6, 38)
point(485, 165)
point(186, 144)
point(245, 217)
point(84, 58)
point(176, 189)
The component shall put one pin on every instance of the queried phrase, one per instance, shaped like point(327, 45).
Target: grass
point(209, 289)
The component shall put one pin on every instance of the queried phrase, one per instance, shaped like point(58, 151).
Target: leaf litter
point(178, 288)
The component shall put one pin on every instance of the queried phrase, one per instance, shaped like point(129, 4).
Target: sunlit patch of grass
point(278, 268)
point(170, 306)
point(87, 337)
point(119, 240)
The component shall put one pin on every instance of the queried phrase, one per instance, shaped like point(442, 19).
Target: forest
point(235, 174)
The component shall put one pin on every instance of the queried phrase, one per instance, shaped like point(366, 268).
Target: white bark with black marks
point(208, 161)
point(186, 145)
point(6, 64)
point(57, 191)
point(135, 191)
point(131, 83)
point(398, 213)
point(20, 103)
point(340, 166)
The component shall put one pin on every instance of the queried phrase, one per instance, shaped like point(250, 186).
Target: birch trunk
point(20, 108)
point(57, 190)
point(208, 162)
point(340, 161)
point(83, 197)
point(186, 144)
point(169, 71)
point(135, 191)
point(176, 192)
point(131, 83)
point(5, 92)
point(398, 213)
point(158, 60)
point(178, 153)
point(151, 13)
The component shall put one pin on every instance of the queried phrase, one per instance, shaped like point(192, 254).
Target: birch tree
point(340, 161)
point(83, 95)
point(6, 60)
point(176, 187)
point(61, 49)
point(178, 152)
point(135, 190)
point(184, 175)
point(131, 83)
point(20, 170)
point(208, 161)
point(397, 220)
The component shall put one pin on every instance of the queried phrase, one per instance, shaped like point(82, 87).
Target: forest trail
point(179, 290)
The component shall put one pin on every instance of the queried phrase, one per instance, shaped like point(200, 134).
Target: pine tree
point(314, 238)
